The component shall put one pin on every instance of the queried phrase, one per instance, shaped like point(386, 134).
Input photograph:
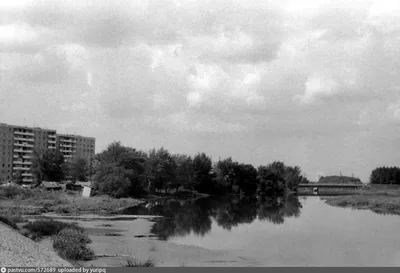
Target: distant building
point(50, 186)
point(17, 144)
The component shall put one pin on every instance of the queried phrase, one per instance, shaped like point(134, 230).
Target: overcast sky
point(310, 83)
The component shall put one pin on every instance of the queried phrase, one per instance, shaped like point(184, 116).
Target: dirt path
point(17, 250)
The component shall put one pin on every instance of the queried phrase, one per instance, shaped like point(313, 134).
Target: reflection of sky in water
point(321, 235)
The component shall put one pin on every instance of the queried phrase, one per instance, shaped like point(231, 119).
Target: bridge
point(330, 185)
point(316, 186)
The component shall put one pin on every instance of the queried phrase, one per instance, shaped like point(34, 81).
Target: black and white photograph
point(199, 133)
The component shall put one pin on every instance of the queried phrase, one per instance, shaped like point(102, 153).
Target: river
point(292, 231)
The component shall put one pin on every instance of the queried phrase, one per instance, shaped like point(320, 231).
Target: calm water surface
point(293, 231)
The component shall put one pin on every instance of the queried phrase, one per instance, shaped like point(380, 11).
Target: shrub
point(148, 263)
point(49, 227)
point(8, 221)
point(11, 191)
point(71, 244)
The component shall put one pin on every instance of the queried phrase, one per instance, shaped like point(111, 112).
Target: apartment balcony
point(68, 140)
point(51, 141)
point(23, 151)
point(27, 174)
point(18, 161)
point(24, 156)
point(67, 151)
point(23, 139)
point(67, 146)
point(25, 179)
point(24, 133)
point(51, 147)
point(22, 168)
point(52, 136)
point(23, 145)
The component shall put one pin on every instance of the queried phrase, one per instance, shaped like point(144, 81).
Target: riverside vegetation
point(381, 195)
point(124, 177)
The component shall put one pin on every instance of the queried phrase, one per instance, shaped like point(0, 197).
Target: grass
point(378, 198)
point(134, 263)
point(8, 221)
point(153, 248)
point(71, 244)
point(36, 201)
point(69, 240)
point(41, 228)
point(99, 204)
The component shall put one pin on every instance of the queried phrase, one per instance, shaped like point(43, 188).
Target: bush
point(147, 263)
point(49, 227)
point(8, 221)
point(71, 244)
point(11, 191)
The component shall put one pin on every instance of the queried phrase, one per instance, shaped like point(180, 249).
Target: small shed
point(49, 185)
point(87, 188)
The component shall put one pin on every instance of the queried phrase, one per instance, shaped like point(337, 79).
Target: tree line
point(385, 175)
point(49, 165)
point(121, 171)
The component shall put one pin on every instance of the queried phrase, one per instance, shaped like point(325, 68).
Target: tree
point(246, 178)
point(202, 175)
point(269, 182)
point(184, 171)
point(292, 177)
point(227, 176)
point(18, 177)
point(160, 170)
point(385, 175)
point(47, 165)
point(114, 181)
point(79, 169)
point(119, 171)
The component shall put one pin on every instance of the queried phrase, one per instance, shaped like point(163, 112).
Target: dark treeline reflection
point(184, 217)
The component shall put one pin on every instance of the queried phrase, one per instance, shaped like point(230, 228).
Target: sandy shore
point(117, 238)
point(17, 250)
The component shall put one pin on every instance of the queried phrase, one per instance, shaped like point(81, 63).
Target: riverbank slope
point(18, 250)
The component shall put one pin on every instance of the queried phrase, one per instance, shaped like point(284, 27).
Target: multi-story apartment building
point(18, 143)
point(74, 145)
point(6, 151)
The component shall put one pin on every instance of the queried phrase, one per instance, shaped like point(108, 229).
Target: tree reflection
point(184, 217)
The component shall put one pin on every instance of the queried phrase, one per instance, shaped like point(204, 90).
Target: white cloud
point(394, 110)
point(246, 64)
point(317, 87)
point(15, 34)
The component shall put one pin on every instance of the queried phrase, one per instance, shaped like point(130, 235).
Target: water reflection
point(183, 217)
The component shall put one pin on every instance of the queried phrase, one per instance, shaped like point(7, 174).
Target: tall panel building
point(74, 145)
point(17, 144)
point(6, 151)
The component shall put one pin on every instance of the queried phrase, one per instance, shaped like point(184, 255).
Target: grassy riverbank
point(18, 206)
point(16, 202)
point(384, 199)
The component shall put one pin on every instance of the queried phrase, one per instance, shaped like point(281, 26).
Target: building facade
point(17, 144)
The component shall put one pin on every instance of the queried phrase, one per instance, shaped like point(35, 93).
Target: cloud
point(268, 70)
point(394, 110)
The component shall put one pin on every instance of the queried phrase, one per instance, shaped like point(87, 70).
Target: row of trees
point(123, 171)
point(336, 179)
point(385, 175)
point(48, 165)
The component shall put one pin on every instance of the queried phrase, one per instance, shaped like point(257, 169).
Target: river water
point(291, 231)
